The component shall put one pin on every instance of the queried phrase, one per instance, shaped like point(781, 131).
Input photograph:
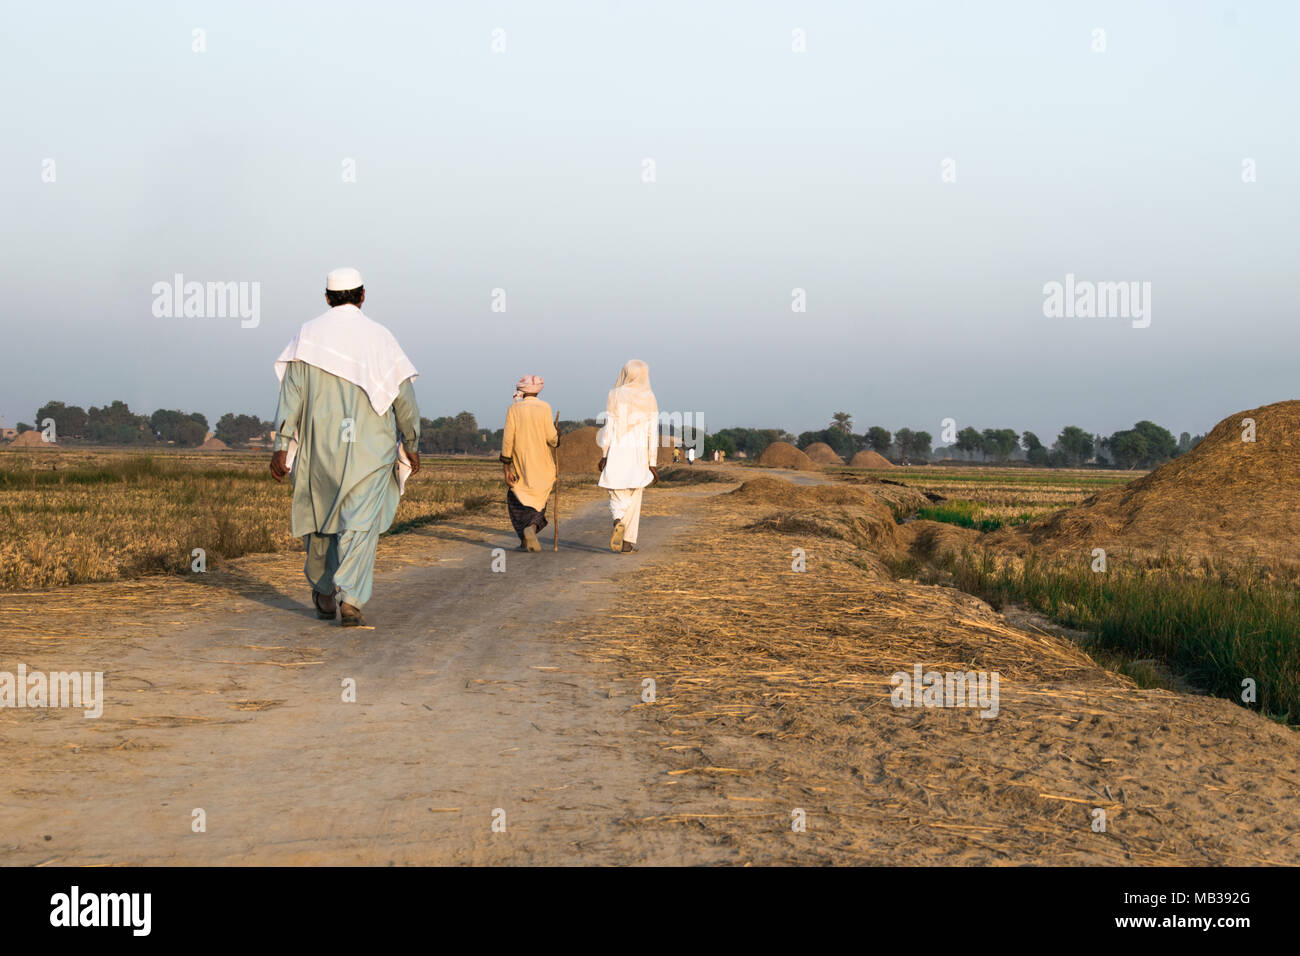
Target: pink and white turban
point(528, 385)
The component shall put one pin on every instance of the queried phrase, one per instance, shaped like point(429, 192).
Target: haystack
point(579, 453)
point(900, 500)
point(834, 511)
point(870, 459)
point(31, 439)
point(1225, 499)
point(823, 454)
point(781, 454)
point(214, 444)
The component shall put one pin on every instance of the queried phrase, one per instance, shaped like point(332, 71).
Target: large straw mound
point(864, 516)
point(781, 454)
point(1225, 499)
point(900, 500)
point(579, 453)
point(30, 439)
point(870, 459)
point(823, 454)
point(214, 444)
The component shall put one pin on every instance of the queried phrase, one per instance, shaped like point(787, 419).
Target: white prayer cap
point(342, 280)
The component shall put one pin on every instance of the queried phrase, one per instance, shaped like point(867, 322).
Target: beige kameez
point(529, 437)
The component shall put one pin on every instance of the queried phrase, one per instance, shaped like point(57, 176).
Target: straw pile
point(214, 444)
point(781, 454)
point(30, 439)
point(899, 500)
point(579, 453)
point(1225, 499)
point(870, 459)
point(863, 516)
point(823, 454)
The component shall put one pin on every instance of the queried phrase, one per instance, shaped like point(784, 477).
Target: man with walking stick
point(527, 462)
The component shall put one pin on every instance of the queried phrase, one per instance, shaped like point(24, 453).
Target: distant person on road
point(630, 440)
point(348, 431)
point(528, 462)
point(690, 455)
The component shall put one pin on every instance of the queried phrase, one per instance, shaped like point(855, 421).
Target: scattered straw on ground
point(773, 695)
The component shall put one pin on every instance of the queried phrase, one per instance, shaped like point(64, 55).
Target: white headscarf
point(631, 403)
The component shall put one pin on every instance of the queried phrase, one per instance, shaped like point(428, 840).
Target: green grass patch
point(970, 514)
point(1214, 630)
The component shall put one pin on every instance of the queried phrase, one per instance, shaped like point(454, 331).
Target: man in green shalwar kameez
point(348, 430)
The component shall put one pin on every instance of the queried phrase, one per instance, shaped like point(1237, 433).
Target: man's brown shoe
point(326, 606)
point(350, 616)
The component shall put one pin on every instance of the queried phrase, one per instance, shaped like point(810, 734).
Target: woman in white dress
point(630, 440)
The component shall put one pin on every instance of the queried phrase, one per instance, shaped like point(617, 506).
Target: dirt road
point(468, 703)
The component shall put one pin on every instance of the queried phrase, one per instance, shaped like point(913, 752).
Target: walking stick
point(556, 538)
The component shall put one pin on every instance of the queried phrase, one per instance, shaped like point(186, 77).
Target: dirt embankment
point(775, 668)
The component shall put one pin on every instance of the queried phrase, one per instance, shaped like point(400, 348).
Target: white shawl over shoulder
point(346, 343)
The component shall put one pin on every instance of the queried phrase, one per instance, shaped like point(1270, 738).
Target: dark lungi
point(521, 516)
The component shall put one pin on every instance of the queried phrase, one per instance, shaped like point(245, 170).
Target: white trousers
point(625, 506)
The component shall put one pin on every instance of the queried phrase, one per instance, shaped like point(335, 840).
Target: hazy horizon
point(775, 170)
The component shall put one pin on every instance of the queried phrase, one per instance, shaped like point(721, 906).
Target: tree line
point(116, 424)
point(1145, 445)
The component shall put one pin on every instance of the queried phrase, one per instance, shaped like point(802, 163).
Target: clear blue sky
point(775, 170)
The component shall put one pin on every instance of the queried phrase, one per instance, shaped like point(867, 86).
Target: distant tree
point(1161, 444)
point(1075, 445)
point(921, 445)
point(1145, 445)
point(905, 439)
point(842, 421)
point(1035, 452)
point(1184, 443)
point(750, 441)
point(456, 435)
point(879, 439)
point(176, 426)
point(1127, 447)
point(116, 424)
point(239, 429)
point(969, 440)
point(1000, 442)
point(760, 438)
point(69, 420)
point(23, 427)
